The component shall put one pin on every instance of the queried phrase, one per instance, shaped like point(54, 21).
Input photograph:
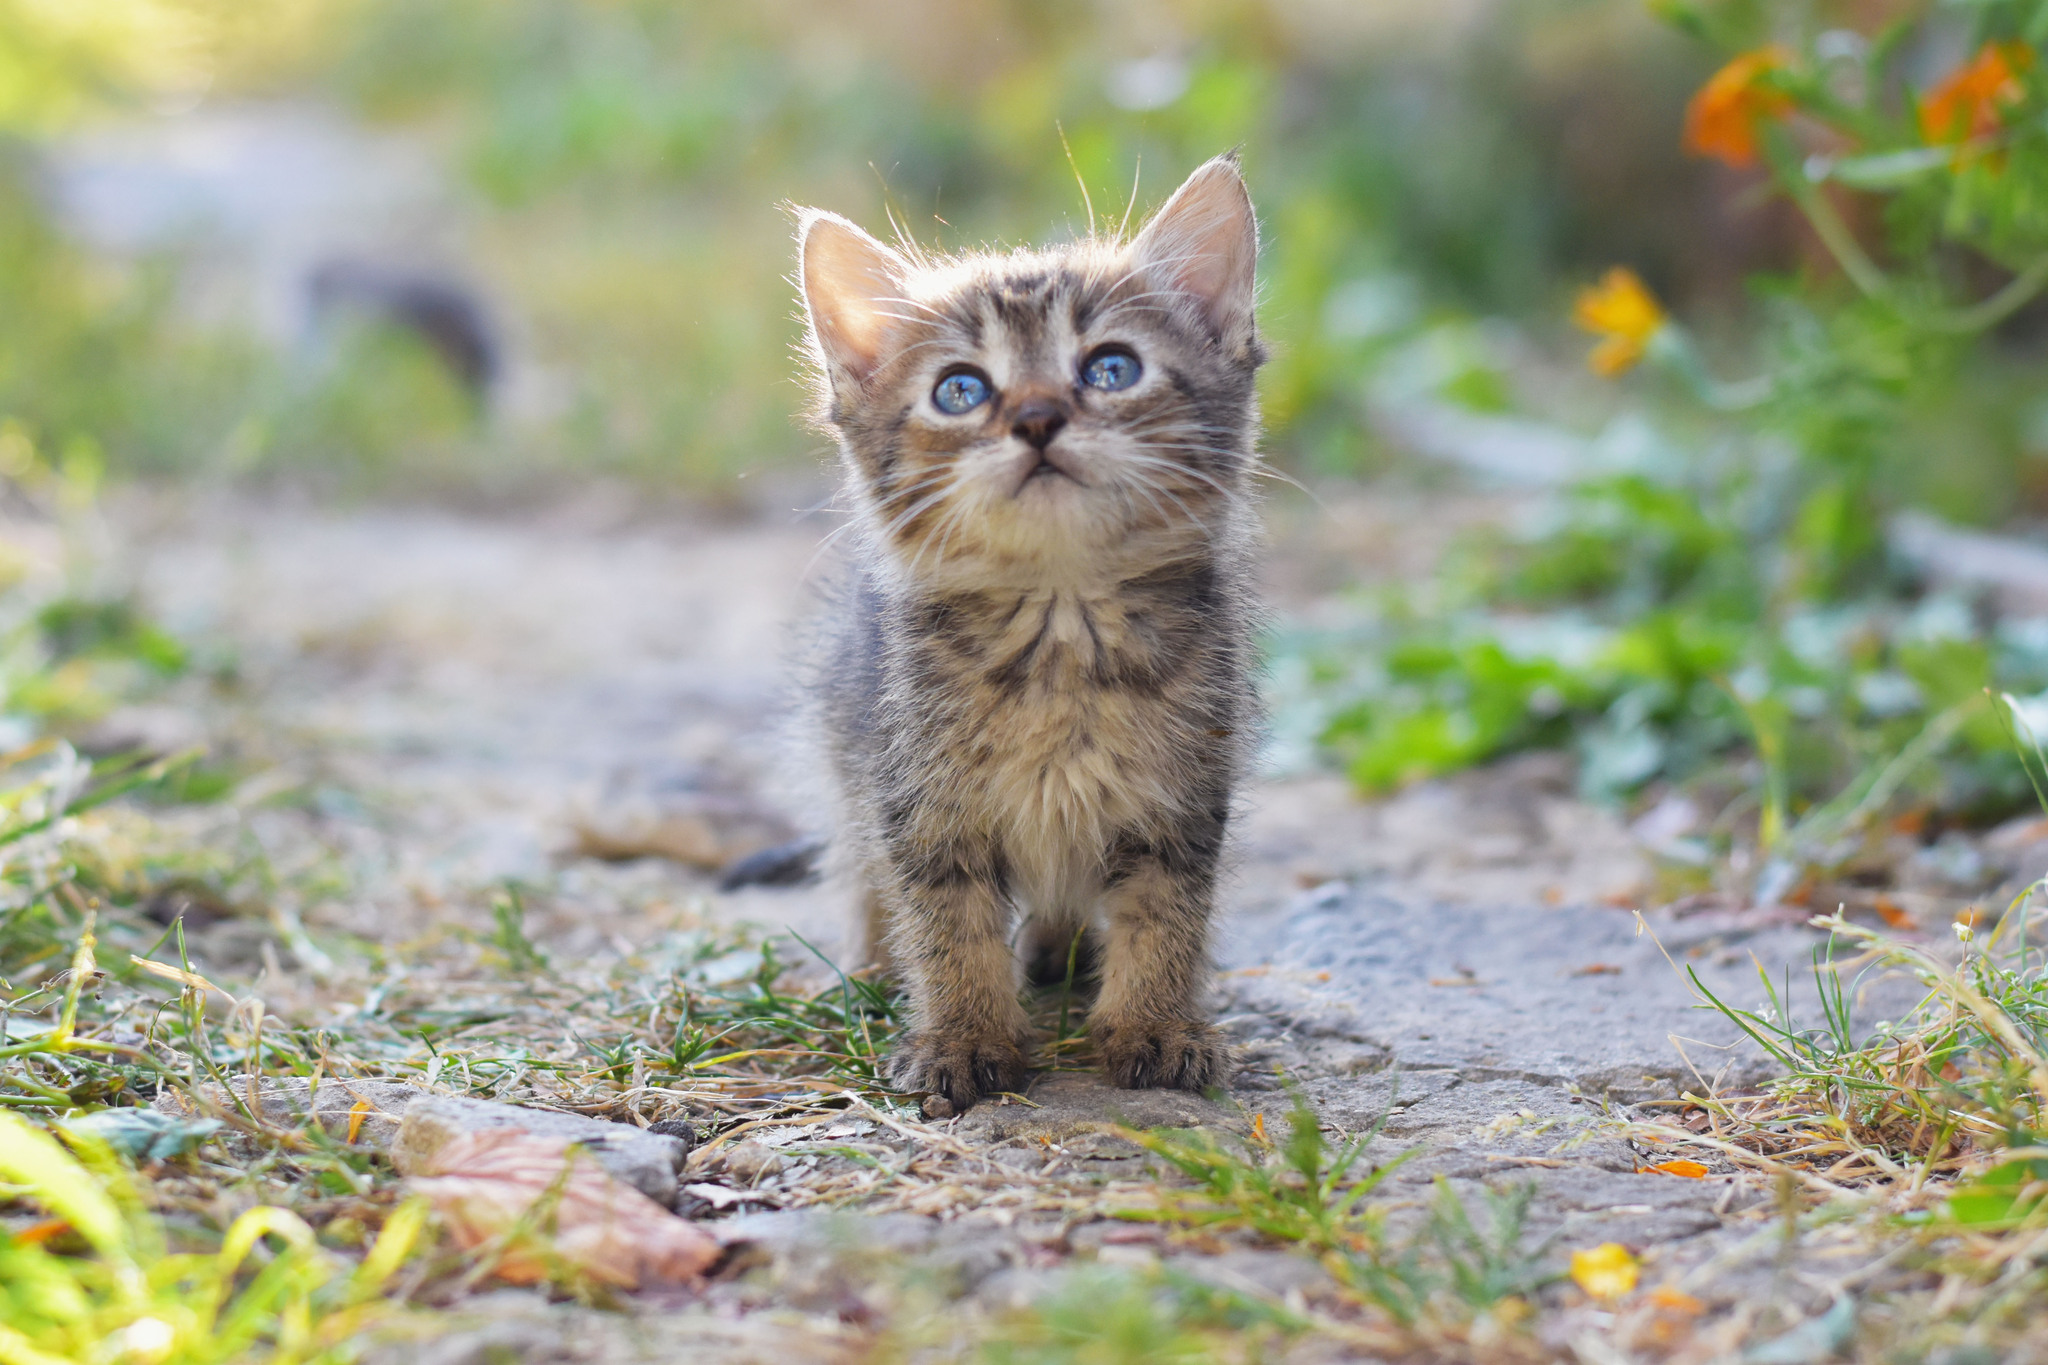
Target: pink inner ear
point(1205, 242)
point(852, 286)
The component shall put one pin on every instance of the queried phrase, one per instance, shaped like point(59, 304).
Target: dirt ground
point(456, 699)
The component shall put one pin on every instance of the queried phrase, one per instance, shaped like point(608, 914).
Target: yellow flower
point(1625, 315)
point(1606, 1271)
point(1721, 120)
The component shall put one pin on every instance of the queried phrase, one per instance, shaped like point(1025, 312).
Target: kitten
point(1037, 693)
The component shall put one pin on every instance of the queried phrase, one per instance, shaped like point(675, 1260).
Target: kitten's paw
point(955, 1069)
point(1162, 1054)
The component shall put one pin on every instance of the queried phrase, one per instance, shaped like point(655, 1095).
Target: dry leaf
point(359, 1111)
point(1607, 1271)
point(1893, 914)
point(1598, 969)
point(1691, 1170)
point(1676, 1301)
point(487, 1183)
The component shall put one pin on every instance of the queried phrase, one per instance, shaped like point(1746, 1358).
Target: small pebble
point(751, 1161)
point(938, 1107)
point(676, 1128)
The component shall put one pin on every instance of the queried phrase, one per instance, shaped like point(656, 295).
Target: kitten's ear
point(1205, 243)
point(853, 287)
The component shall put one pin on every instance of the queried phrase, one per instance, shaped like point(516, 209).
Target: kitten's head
point(1043, 412)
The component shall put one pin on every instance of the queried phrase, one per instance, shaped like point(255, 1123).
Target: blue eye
point(960, 392)
point(1111, 370)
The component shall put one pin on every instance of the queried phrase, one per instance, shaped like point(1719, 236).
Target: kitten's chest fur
point(1053, 720)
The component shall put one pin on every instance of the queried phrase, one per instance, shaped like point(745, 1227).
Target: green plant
point(1961, 1076)
point(1452, 1268)
point(1303, 1191)
point(756, 1020)
point(125, 1295)
point(1119, 1318)
point(1438, 1273)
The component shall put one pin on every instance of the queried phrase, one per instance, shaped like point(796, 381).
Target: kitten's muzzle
point(1037, 421)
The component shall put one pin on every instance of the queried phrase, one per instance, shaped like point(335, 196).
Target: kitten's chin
point(1057, 533)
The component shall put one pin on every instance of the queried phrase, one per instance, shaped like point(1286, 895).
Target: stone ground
point(478, 696)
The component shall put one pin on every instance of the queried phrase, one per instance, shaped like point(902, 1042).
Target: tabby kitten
point(1036, 696)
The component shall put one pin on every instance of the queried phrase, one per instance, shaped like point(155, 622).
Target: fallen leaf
point(1607, 1271)
point(1691, 1170)
point(1259, 1130)
point(1676, 1301)
point(1598, 969)
point(1894, 914)
point(717, 1196)
point(551, 1205)
point(40, 1231)
point(361, 1110)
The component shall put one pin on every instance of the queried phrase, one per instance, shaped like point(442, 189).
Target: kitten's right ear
point(1205, 244)
point(853, 293)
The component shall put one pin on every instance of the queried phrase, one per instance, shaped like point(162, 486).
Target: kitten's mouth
point(1046, 469)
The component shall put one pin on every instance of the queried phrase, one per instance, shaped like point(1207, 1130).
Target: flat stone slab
point(372, 1109)
point(650, 1162)
point(1363, 982)
point(1064, 1104)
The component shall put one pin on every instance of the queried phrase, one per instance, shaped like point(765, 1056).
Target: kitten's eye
point(1111, 369)
point(960, 391)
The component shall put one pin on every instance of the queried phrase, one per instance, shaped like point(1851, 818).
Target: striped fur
point(1036, 690)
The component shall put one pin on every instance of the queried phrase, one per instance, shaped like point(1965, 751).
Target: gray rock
point(292, 1103)
point(650, 1162)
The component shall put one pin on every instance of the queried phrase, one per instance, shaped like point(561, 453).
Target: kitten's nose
point(1038, 421)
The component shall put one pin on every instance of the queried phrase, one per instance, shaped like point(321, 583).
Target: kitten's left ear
point(853, 287)
point(1205, 243)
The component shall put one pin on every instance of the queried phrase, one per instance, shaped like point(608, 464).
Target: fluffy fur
point(1036, 690)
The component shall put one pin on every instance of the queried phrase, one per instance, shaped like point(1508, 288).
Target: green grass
point(1438, 1274)
point(1107, 1317)
point(265, 1290)
point(1301, 1191)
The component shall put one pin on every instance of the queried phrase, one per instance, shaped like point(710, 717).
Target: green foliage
point(1713, 598)
point(129, 1297)
point(1107, 1317)
point(1452, 1267)
point(627, 159)
point(74, 627)
point(508, 912)
point(1966, 1069)
point(1302, 1192)
point(727, 1015)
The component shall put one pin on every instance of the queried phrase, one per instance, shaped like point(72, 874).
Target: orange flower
point(1971, 102)
point(1625, 314)
point(1721, 120)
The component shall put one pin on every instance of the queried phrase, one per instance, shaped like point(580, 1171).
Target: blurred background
point(573, 208)
point(493, 254)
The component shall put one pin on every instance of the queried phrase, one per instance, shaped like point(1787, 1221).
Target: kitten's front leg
point(1149, 1024)
point(949, 934)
